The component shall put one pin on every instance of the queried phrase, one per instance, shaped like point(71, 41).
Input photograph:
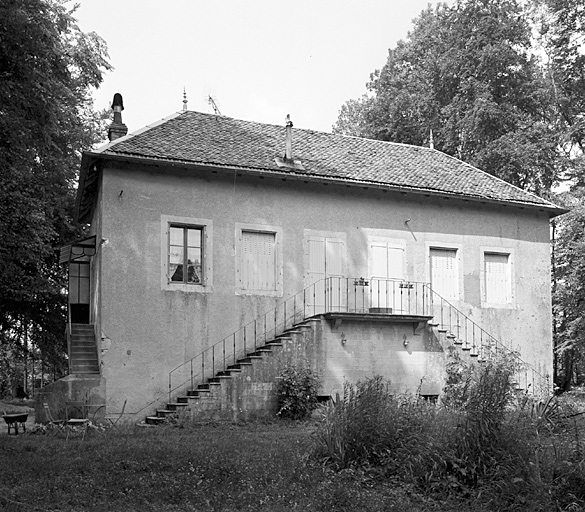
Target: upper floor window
point(258, 266)
point(497, 288)
point(258, 260)
point(444, 272)
point(185, 254)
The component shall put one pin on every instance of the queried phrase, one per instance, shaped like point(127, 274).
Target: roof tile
point(194, 137)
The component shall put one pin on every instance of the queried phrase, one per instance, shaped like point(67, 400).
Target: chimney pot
point(117, 129)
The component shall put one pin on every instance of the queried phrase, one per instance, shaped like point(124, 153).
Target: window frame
point(241, 228)
point(185, 250)
point(206, 228)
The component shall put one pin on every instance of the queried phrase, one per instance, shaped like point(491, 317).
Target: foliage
point(485, 445)
point(48, 68)
point(368, 424)
point(469, 73)
point(569, 291)
point(298, 389)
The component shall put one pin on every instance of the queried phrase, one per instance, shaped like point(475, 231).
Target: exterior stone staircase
point(83, 357)
point(245, 390)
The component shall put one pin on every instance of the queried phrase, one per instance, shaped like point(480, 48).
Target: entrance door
point(79, 292)
point(325, 262)
point(387, 271)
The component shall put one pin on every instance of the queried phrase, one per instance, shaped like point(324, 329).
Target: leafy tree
point(569, 292)
point(468, 73)
point(48, 68)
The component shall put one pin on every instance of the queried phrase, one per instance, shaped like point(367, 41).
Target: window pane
point(176, 236)
point(84, 291)
point(176, 263)
point(194, 237)
point(194, 265)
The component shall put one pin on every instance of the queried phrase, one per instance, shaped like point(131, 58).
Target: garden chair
point(75, 423)
point(115, 420)
point(56, 426)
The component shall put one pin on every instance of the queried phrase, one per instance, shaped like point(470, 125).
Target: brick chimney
point(117, 129)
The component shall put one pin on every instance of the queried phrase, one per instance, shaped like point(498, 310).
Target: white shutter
point(497, 278)
point(258, 271)
point(444, 273)
point(325, 259)
point(395, 263)
point(386, 265)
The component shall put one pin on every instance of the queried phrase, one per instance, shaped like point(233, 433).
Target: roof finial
point(184, 100)
point(431, 143)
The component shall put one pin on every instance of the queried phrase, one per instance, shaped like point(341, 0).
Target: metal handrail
point(329, 295)
point(340, 295)
point(478, 341)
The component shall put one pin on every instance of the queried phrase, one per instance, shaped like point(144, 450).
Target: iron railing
point(330, 295)
point(348, 295)
point(475, 340)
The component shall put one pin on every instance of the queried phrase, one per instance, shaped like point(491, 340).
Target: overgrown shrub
point(487, 444)
point(369, 424)
point(298, 389)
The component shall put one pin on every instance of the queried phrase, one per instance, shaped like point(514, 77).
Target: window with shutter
point(259, 260)
point(258, 264)
point(497, 288)
point(444, 272)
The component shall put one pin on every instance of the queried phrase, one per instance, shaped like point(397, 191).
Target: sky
point(258, 59)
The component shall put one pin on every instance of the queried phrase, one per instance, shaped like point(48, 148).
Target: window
point(497, 289)
point(258, 265)
point(258, 260)
point(444, 272)
point(185, 254)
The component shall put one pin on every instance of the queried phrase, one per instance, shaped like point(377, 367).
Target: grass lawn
point(255, 467)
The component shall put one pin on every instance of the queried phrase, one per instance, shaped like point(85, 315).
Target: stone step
point(155, 420)
point(165, 413)
point(177, 406)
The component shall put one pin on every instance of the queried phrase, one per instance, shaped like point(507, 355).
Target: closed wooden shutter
point(258, 261)
point(325, 260)
point(497, 278)
point(387, 267)
point(444, 273)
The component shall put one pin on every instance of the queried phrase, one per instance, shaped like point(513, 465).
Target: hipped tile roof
point(207, 139)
